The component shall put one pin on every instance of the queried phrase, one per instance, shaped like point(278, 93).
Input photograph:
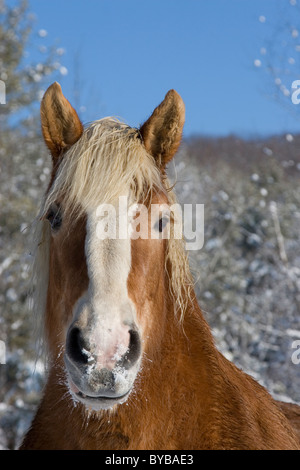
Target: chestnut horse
point(132, 361)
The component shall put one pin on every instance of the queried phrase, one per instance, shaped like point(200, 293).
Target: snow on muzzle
point(102, 357)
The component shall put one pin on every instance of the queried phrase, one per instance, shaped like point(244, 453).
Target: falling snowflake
point(37, 77)
point(42, 33)
point(60, 51)
point(255, 177)
point(63, 70)
point(264, 192)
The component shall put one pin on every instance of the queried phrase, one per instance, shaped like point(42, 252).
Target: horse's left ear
point(61, 125)
point(162, 132)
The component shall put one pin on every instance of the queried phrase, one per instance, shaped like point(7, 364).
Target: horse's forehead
point(108, 262)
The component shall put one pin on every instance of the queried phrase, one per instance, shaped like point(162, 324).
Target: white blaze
point(109, 309)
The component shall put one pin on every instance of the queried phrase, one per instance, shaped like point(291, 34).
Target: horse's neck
point(172, 380)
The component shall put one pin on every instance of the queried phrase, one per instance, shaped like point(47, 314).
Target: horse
point(132, 363)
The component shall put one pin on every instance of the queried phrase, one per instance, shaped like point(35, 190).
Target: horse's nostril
point(76, 346)
point(134, 350)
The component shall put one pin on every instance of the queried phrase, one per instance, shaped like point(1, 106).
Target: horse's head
point(106, 290)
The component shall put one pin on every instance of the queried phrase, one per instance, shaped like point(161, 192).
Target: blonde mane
point(109, 160)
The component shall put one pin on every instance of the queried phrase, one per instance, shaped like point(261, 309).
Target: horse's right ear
point(61, 125)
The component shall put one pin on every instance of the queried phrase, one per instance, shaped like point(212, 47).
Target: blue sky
point(124, 55)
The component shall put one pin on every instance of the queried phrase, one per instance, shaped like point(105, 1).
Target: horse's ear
point(162, 132)
point(61, 125)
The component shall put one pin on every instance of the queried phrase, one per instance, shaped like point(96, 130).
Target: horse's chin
point(96, 403)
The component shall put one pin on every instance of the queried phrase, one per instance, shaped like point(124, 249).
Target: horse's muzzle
point(101, 380)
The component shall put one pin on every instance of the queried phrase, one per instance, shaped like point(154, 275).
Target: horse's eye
point(160, 225)
point(54, 217)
